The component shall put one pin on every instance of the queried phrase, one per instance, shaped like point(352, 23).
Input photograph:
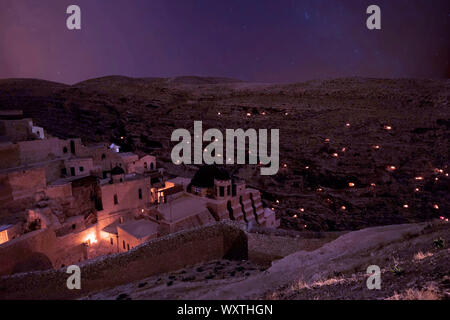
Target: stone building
point(67, 202)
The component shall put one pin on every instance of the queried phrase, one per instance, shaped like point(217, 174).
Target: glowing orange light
point(392, 168)
point(373, 185)
point(387, 127)
point(306, 167)
point(351, 184)
point(419, 178)
point(344, 208)
point(376, 147)
point(302, 209)
point(218, 113)
point(405, 206)
point(263, 113)
point(347, 125)
point(344, 149)
point(435, 206)
point(248, 114)
point(417, 189)
point(295, 216)
point(319, 189)
point(335, 155)
point(91, 238)
point(285, 165)
point(327, 140)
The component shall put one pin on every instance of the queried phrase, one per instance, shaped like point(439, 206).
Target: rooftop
point(128, 155)
point(139, 228)
point(182, 208)
point(5, 227)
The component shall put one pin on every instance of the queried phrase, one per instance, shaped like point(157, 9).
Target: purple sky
point(254, 40)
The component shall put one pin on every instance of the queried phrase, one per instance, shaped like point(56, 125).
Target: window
point(103, 156)
point(228, 190)
point(63, 172)
point(116, 201)
point(111, 240)
point(65, 150)
point(128, 247)
point(72, 146)
point(123, 242)
point(140, 193)
point(72, 171)
point(145, 165)
point(221, 191)
point(74, 226)
point(81, 169)
point(151, 166)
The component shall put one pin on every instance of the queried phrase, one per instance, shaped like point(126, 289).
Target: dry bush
point(420, 255)
point(328, 282)
point(428, 293)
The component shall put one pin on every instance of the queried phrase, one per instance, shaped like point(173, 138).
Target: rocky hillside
point(413, 260)
point(354, 152)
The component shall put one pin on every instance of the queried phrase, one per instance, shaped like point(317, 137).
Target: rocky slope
point(352, 150)
point(413, 260)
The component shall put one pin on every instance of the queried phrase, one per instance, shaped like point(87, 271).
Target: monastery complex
point(63, 202)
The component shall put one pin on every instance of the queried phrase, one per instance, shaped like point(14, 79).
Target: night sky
point(253, 40)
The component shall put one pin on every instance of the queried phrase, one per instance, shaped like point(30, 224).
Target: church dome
point(117, 171)
point(205, 176)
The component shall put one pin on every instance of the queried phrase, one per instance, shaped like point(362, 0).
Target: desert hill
point(377, 134)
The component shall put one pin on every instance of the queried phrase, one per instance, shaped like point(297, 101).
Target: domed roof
point(117, 171)
point(204, 177)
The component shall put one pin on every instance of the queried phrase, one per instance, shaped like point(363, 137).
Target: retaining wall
point(222, 240)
